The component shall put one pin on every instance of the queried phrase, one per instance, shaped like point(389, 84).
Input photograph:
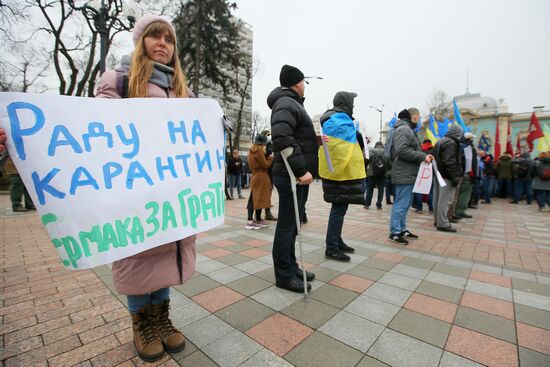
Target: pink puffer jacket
point(156, 268)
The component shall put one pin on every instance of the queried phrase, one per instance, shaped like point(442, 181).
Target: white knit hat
point(145, 21)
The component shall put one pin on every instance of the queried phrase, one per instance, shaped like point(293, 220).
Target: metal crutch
point(285, 153)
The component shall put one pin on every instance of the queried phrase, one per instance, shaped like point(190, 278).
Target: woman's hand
point(2, 141)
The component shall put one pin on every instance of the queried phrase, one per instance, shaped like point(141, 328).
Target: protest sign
point(437, 174)
point(424, 178)
point(114, 177)
point(468, 159)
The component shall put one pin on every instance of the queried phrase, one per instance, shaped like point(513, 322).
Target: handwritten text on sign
point(112, 178)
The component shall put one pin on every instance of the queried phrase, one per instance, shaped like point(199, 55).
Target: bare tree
point(242, 86)
point(440, 105)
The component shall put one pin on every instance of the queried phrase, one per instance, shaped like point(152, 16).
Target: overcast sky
point(397, 52)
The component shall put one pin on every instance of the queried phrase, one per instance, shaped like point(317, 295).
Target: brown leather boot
point(146, 338)
point(172, 338)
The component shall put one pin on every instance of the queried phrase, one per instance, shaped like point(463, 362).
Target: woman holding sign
point(153, 71)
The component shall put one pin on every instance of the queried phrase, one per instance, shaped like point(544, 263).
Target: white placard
point(468, 159)
point(424, 178)
point(440, 179)
point(114, 177)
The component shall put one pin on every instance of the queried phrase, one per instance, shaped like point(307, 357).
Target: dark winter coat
point(447, 155)
point(235, 166)
point(407, 153)
point(504, 167)
point(291, 126)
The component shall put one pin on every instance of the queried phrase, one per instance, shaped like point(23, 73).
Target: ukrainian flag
point(345, 153)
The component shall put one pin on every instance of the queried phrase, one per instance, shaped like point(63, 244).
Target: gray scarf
point(162, 75)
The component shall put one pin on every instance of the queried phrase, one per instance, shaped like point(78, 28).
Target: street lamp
point(379, 110)
point(103, 21)
point(312, 77)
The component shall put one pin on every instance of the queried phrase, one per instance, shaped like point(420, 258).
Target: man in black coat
point(291, 126)
point(449, 164)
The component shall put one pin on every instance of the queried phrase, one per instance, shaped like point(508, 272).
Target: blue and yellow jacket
point(345, 183)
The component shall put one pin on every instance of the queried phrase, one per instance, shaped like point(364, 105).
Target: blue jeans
point(380, 184)
point(335, 224)
point(488, 188)
point(542, 196)
point(400, 209)
point(235, 180)
point(522, 186)
point(155, 298)
point(284, 258)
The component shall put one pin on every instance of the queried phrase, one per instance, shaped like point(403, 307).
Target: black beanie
point(290, 75)
point(404, 114)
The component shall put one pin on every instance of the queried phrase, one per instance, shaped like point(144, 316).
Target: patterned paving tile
point(320, 350)
point(334, 296)
point(401, 350)
point(265, 358)
point(394, 258)
point(252, 266)
point(452, 360)
point(491, 278)
point(216, 253)
point(352, 283)
point(388, 294)
point(255, 253)
point(481, 348)
point(410, 271)
point(217, 298)
point(488, 304)
point(276, 298)
point(257, 243)
point(433, 307)
point(533, 338)
point(439, 291)
point(531, 287)
point(400, 281)
point(421, 327)
point(249, 285)
point(530, 358)
point(446, 279)
point(352, 330)
point(232, 349)
point(490, 290)
point(244, 314)
point(310, 312)
point(482, 322)
point(532, 300)
point(279, 333)
point(207, 330)
point(223, 243)
point(227, 275)
point(372, 309)
point(532, 316)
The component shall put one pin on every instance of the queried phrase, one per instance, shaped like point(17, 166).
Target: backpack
point(543, 170)
point(522, 169)
point(378, 164)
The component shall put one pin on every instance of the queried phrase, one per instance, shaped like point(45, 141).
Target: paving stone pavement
point(474, 298)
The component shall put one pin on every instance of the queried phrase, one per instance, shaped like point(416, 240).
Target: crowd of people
point(338, 158)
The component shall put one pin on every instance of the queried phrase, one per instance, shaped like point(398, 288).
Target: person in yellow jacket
point(344, 185)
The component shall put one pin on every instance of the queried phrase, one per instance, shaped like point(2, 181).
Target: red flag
point(518, 145)
point(535, 132)
point(509, 147)
point(497, 143)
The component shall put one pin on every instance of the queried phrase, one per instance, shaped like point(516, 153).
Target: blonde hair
point(255, 147)
point(141, 67)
